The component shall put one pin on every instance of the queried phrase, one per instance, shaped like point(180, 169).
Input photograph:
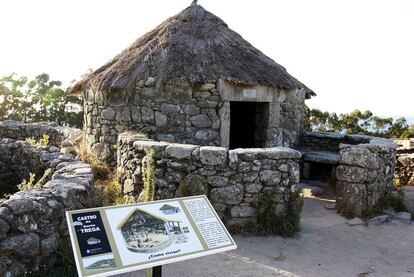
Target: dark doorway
point(248, 122)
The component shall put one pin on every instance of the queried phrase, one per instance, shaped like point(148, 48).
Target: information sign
point(119, 239)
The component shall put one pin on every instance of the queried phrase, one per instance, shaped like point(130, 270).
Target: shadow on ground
point(327, 246)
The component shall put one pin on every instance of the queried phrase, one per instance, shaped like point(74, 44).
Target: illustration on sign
point(168, 209)
point(119, 239)
point(145, 232)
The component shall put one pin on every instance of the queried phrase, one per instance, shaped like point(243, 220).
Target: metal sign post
point(155, 271)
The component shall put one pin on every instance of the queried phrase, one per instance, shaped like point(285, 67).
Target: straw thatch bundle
point(194, 46)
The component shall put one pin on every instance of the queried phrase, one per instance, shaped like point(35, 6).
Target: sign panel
point(249, 93)
point(113, 240)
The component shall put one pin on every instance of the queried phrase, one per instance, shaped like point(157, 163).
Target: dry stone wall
point(365, 171)
point(404, 170)
point(233, 180)
point(325, 141)
point(181, 113)
point(365, 174)
point(32, 221)
point(20, 131)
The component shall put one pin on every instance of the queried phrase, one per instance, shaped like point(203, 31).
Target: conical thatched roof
point(194, 46)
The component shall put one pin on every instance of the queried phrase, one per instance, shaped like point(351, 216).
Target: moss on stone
point(192, 185)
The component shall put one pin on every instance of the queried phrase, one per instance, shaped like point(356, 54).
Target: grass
point(388, 201)
point(285, 223)
point(107, 188)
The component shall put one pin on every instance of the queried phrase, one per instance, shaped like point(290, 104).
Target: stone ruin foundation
point(33, 221)
point(360, 168)
point(233, 180)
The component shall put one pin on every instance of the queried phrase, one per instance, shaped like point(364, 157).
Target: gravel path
point(327, 246)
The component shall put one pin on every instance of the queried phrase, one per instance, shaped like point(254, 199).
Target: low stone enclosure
point(360, 167)
point(32, 220)
point(234, 180)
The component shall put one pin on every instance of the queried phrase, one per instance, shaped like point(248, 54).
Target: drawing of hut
point(168, 209)
point(102, 264)
point(93, 241)
point(145, 232)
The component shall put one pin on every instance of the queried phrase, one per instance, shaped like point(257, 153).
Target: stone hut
point(192, 80)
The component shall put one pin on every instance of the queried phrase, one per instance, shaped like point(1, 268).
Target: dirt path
point(327, 246)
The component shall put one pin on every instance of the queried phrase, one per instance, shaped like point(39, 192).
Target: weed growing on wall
point(44, 141)
point(31, 184)
point(107, 189)
point(388, 201)
point(349, 210)
point(148, 175)
point(271, 219)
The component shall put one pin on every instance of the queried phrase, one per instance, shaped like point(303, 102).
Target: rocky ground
point(327, 246)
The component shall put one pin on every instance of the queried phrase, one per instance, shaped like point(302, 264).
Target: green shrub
point(31, 184)
point(107, 191)
point(149, 176)
point(285, 223)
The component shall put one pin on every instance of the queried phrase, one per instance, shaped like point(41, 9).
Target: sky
point(355, 54)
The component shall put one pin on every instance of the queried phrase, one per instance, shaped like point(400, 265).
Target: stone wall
point(233, 180)
point(21, 131)
point(364, 168)
point(326, 141)
point(185, 113)
point(365, 174)
point(17, 160)
point(405, 145)
point(404, 170)
point(33, 221)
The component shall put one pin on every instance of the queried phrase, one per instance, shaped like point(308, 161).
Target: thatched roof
point(194, 46)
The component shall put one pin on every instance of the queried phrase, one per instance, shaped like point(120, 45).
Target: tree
point(357, 122)
point(40, 99)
